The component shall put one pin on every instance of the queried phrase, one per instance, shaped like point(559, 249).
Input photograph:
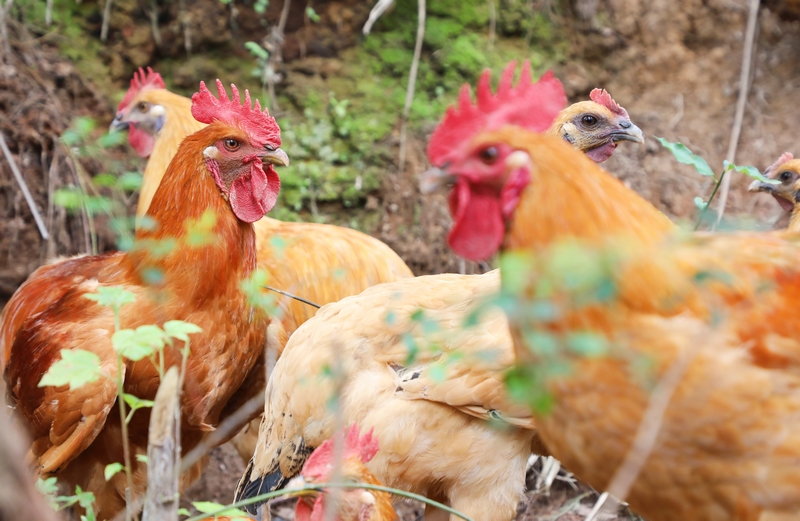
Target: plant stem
point(412, 80)
point(322, 487)
point(106, 17)
point(708, 204)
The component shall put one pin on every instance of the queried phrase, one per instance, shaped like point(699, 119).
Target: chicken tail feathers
point(250, 487)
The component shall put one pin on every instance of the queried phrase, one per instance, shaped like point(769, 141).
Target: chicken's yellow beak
point(276, 157)
point(431, 180)
point(629, 132)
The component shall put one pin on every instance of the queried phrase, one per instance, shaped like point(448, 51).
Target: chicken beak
point(629, 132)
point(118, 124)
point(276, 157)
point(761, 186)
point(431, 180)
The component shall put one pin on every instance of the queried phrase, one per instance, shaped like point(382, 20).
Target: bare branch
point(163, 452)
point(48, 13)
point(23, 186)
point(744, 90)
point(376, 13)
point(106, 17)
point(412, 80)
point(154, 22)
point(4, 28)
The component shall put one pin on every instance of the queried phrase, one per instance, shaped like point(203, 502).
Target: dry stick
point(48, 13)
point(154, 22)
point(187, 35)
point(412, 81)
point(163, 452)
point(650, 424)
point(24, 187)
point(106, 16)
point(276, 53)
point(4, 28)
point(377, 10)
point(744, 90)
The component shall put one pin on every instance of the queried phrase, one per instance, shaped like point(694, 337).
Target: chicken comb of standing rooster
point(364, 447)
point(602, 97)
point(785, 158)
point(260, 126)
point(141, 80)
point(532, 106)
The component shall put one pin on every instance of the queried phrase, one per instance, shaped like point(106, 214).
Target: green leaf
point(112, 139)
point(587, 344)
point(135, 402)
point(753, 172)
point(312, 15)
point(48, 486)
point(130, 181)
point(138, 344)
point(111, 469)
point(700, 204)
point(207, 507)
point(514, 268)
point(256, 50)
point(143, 458)
point(113, 297)
point(200, 232)
point(180, 329)
point(685, 156)
point(184, 512)
point(76, 368)
point(104, 180)
point(84, 125)
point(69, 198)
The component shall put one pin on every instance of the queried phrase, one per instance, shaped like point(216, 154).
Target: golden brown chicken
point(318, 262)
point(77, 432)
point(351, 504)
point(786, 170)
point(711, 431)
point(365, 358)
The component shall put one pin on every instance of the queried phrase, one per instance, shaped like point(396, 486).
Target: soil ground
point(674, 64)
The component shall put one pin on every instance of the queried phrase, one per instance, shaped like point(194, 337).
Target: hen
point(712, 430)
point(224, 171)
point(319, 262)
point(351, 504)
point(786, 170)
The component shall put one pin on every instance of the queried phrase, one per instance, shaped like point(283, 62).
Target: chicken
point(352, 504)
point(436, 427)
point(319, 262)
point(225, 172)
point(721, 400)
point(595, 127)
point(786, 170)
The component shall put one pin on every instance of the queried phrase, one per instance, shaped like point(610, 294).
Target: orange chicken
point(352, 504)
point(319, 262)
point(224, 170)
point(786, 170)
point(708, 428)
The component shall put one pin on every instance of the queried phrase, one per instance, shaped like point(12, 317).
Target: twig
point(290, 295)
point(412, 80)
point(187, 34)
point(154, 22)
point(163, 452)
point(492, 23)
point(744, 90)
point(48, 13)
point(4, 28)
point(597, 506)
point(376, 13)
point(106, 16)
point(23, 186)
point(650, 424)
point(274, 45)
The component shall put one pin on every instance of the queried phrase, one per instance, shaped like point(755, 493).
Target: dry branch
point(163, 452)
point(24, 187)
point(744, 90)
point(106, 17)
point(412, 80)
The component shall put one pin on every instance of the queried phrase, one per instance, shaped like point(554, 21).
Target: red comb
point(602, 97)
point(529, 105)
point(260, 126)
point(785, 158)
point(365, 447)
point(141, 80)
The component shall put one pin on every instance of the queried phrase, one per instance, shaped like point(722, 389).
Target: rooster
point(786, 170)
point(224, 170)
point(721, 438)
point(321, 263)
point(351, 504)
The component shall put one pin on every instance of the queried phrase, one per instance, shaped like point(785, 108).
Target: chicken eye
point(786, 176)
point(589, 120)
point(231, 144)
point(142, 106)
point(488, 155)
point(269, 148)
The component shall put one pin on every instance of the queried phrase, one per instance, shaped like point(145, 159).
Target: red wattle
point(478, 228)
point(141, 141)
point(786, 205)
point(602, 153)
point(254, 194)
